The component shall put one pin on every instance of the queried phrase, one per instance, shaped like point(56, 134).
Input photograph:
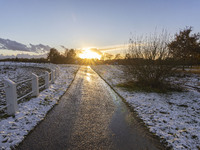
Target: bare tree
point(107, 56)
point(118, 56)
point(149, 59)
point(66, 52)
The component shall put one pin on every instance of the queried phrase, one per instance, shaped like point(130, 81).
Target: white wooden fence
point(11, 90)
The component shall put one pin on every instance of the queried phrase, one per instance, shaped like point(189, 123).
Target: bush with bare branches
point(149, 60)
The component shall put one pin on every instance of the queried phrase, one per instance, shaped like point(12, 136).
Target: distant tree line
point(69, 56)
point(183, 50)
point(150, 60)
point(54, 56)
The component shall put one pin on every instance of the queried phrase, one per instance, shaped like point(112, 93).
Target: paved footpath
point(90, 116)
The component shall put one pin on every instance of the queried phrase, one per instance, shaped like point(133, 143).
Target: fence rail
point(25, 96)
point(41, 76)
point(42, 86)
point(11, 90)
point(20, 82)
point(2, 88)
point(2, 108)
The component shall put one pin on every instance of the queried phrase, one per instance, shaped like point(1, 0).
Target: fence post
point(57, 71)
point(55, 74)
point(52, 76)
point(35, 85)
point(46, 78)
point(11, 96)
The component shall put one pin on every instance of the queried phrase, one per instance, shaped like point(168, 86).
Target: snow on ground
point(14, 129)
point(17, 74)
point(174, 117)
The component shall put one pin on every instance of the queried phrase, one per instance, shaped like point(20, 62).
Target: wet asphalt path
point(90, 116)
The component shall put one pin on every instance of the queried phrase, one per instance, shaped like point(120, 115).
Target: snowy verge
point(174, 117)
point(14, 129)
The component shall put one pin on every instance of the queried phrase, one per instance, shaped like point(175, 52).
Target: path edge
point(131, 108)
point(16, 146)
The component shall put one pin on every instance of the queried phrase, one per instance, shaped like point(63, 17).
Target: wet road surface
point(90, 116)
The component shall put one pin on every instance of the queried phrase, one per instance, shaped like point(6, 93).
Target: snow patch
point(173, 117)
point(14, 129)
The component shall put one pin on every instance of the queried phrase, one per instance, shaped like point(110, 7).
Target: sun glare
point(88, 54)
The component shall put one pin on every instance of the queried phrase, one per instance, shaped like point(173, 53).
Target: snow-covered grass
point(13, 129)
point(174, 117)
point(17, 74)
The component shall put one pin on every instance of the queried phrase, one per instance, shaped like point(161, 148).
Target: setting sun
point(88, 54)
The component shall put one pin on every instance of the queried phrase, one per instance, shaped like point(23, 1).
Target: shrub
point(149, 60)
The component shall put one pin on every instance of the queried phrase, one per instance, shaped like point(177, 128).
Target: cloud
point(13, 45)
point(96, 51)
point(114, 48)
